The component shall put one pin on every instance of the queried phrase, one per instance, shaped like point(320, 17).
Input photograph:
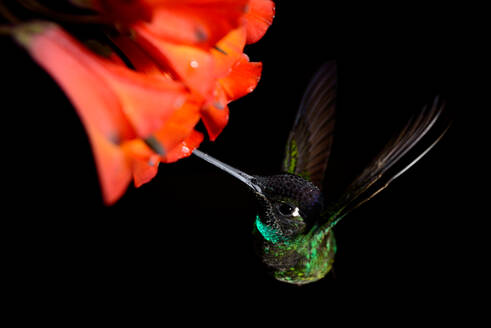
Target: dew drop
point(179, 102)
point(194, 63)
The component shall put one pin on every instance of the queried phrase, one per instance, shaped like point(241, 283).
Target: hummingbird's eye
point(285, 209)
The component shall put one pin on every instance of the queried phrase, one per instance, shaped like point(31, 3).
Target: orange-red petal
point(185, 148)
point(144, 171)
point(66, 61)
point(179, 126)
point(242, 79)
point(96, 104)
point(215, 119)
point(144, 162)
point(176, 138)
point(196, 22)
point(192, 65)
point(228, 50)
point(106, 94)
point(147, 100)
point(258, 19)
point(113, 167)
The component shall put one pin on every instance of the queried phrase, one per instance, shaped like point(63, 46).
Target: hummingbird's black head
point(288, 204)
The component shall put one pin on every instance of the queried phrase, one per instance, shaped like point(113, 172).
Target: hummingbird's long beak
point(246, 178)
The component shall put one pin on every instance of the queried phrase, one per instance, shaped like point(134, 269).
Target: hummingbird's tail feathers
point(396, 158)
point(399, 173)
point(310, 139)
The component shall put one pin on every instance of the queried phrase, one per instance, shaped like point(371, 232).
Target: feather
point(374, 177)
point(310, 139)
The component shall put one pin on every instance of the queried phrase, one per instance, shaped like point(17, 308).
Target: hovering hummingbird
point(293, 231)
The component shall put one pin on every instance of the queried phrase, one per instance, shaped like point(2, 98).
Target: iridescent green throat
point(269, 233)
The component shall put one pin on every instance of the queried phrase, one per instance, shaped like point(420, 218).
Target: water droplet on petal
point(194, 63)
point(186, 150)
point(179, 102)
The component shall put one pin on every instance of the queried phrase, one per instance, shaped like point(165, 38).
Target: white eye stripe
point(296, 212)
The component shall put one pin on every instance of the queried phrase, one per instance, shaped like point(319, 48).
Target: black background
point(185, 236)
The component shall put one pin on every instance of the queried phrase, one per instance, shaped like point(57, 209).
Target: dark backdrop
point(186, 236)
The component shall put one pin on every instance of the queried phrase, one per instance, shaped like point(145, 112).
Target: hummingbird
point(293, 230)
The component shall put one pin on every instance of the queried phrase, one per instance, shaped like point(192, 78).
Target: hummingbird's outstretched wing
point(383, 169)
point(310, 139)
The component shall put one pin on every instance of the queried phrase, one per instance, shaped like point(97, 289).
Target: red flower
point(205, 71)
point(187, 64)
point(192, 22)
point(119, 107)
